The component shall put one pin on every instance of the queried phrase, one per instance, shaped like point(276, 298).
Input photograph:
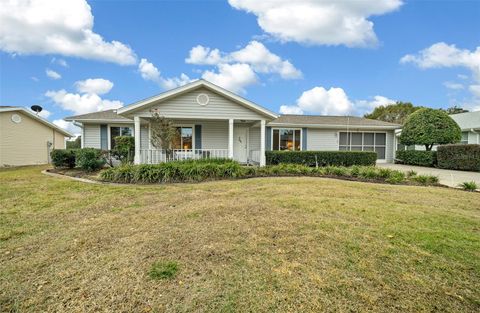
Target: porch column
point(136, 120)
point(230, 138)
point(262, 143)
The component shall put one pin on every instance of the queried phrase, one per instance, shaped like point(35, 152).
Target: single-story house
point(215, 122)
point(26, 138)
point(469, 123)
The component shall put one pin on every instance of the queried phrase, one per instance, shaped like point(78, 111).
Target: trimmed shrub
point(459, 157)
point(124, 149)
point(322, 158)
point(416, 157)
point(63, 158)
point(90, 159)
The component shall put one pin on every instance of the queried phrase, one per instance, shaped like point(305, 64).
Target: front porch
point(241, 140)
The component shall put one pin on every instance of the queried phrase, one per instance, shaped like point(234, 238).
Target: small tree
point(124, 149)
point(163, 132)
point(430, 127)
point(393, 113)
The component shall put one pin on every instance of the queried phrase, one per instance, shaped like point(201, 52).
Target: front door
point(240, 144)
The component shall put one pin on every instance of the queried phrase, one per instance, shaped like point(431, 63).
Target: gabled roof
point(192, 86)
point(468, 120)
point(35, 117)
point(109, 115)
point(325, 121)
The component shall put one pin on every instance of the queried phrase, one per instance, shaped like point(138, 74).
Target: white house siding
point(390, 148)
point(322, 139)
point(91, 133)
point(254, 139)
point(144, 137)
point(473, 138)
point(186, 106)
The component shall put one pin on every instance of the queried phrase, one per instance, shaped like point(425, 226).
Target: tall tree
point(455, 110)
point(430, 127)
point(393, 113)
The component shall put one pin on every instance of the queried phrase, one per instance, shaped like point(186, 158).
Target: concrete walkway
point(447, 177)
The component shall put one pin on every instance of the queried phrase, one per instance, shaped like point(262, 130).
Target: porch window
point(286, 139)
point(184, 138)
point(119, 131)
point(364, 141)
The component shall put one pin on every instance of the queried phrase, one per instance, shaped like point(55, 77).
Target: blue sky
point(306, 60)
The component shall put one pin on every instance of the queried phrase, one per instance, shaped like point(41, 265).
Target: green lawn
point(253, 245)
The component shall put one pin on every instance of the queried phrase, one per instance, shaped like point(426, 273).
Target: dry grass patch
point(260, 245)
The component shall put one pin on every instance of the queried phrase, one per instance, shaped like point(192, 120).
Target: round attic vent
point(16, 118)
point(203, 99)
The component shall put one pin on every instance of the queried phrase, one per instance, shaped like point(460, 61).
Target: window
point(464, 139)
point(184, 138)
point(360, 141)
point(118, 131)
point(286, 139)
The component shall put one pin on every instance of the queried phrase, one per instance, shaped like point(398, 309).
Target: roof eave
point(335, 126)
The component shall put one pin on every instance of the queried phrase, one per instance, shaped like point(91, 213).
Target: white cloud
point(81, 103)
point(333, 101)
point(60, 62)
point(57, 27)
point(150, 72)
point(35, 79)
point(97, 86)
point(52, 74)
point(442, 55)
point(233, 77)
point(319, 22)
point(453, 85)
point(68, 126)
point(254, 54)
point(201, 55)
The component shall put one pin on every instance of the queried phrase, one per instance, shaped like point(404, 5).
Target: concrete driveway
point(447, 177)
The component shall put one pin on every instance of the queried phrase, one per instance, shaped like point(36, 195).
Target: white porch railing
point(255, 156)
point(155, 156)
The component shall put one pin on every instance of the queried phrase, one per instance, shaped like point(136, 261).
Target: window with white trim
point(286, 139)
point(183, 139)
point(119, 131)
point(364, 141)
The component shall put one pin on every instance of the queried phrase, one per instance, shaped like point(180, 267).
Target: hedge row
point(88, 159)
point(196, 171)
point(459, 157)
point(321, 158)
point(416, 157)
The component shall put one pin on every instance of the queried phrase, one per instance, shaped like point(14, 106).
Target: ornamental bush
point(124, 149)
point(417, 157)
point(430, 127)
point(63, 158)
point(459, 157)
point(90, 159)
point(322, 158)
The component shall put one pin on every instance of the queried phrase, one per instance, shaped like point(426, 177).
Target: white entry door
point(240, 143)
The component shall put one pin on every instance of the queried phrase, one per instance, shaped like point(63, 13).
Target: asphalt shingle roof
point(102, 115)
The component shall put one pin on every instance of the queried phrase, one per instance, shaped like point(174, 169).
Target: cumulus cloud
point(57, 27)
point(52, 74)
point(60, 62)
point(88, 99)
point(442, 55)
point(150, 72)
point(255, 54)
point(333, 101)
point(233, 77)
point(97, 86)
point(319, 22)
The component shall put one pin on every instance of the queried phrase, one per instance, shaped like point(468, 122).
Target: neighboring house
point(469, 123)
point(214, 122)
point(26, 138)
